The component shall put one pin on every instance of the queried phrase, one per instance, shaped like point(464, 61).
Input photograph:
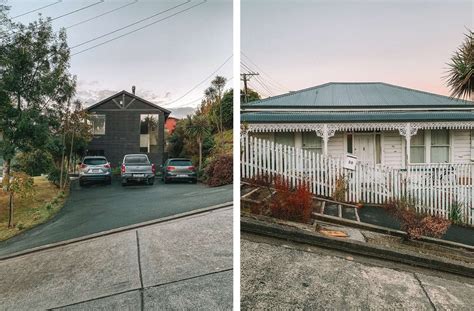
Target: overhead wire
point(38, 9)
point(138, 29)
point(130, 25)
point(102, 14)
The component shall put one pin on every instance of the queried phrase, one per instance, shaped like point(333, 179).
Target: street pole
point(245, 78)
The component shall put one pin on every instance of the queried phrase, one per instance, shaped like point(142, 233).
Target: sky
point(304, 43)
point(164, 61)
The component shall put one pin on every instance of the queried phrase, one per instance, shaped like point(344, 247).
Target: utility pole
point(245, 78)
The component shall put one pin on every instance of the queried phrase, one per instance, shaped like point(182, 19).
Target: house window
point(285, 138)
point(439, 146)
point(312, 142)
point(149, 133)
point(349, 143)
point(98, 124)
point(378, 148)
point(417, 147)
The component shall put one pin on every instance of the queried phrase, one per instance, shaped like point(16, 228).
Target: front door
point(364, 148)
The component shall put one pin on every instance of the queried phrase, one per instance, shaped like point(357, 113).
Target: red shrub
point(291, 204)
point(220, 171)
point(417, 224)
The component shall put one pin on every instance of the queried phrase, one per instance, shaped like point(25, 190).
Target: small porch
point(394, 145)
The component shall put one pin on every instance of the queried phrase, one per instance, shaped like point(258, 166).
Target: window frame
point(92, 118)
point(317, 150)
point(448, 145)
point(418, 146)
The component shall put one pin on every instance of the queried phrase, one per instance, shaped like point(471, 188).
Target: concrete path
point(99, 208)
point(179, 264)
point(278, 275)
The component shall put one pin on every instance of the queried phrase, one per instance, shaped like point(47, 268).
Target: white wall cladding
point(392, 149)
point(461, 146)
point(336, 145)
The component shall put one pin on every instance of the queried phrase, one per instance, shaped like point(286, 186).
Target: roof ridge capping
point(131, 95)
point(291, 93)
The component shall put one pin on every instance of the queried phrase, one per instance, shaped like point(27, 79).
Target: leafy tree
point(21, 186)
point(228, 109)
point(197, 127)
point(219, 83)
point(36, 81)
point(460, 78)
point(252, 96)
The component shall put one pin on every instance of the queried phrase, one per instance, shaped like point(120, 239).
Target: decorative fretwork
point(379, 126)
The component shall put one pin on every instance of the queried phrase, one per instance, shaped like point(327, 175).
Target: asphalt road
point(281, 275)
point(178, 264)
point(99, 208)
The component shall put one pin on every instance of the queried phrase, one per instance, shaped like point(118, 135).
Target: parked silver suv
point(137, 167)
point(95, 168)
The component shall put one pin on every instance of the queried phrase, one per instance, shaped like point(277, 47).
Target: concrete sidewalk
point(180, 264)
point(280, 275)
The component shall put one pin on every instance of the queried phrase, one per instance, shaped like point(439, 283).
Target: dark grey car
point(176, 169)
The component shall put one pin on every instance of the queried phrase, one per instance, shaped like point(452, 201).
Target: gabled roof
point(358, 95)
point(166, 111)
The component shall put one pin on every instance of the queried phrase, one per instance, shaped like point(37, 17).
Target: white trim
point(422, 109)
point(320, 128)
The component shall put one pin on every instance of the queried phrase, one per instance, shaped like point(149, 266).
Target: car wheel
point(167, 181)
point(151, 181)
point(194, 181)
point(109, 181)
point(81, 183)
point(124, 183)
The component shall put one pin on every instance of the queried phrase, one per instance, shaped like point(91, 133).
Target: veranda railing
point(435, 188)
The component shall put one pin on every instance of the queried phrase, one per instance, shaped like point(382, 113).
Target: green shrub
point(455, 212)
point(49, 206)
point(34, 163)
point(220, 171)
point(54, 176)
point(20, 226)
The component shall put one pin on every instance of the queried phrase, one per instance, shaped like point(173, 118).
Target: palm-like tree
point(197, 128)
point(218, 83)
point(460, 77)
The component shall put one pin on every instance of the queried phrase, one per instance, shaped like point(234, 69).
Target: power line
point(203, 81)
point(130, 25)
point(268, 84)
point(38, 9)
point(284, 88)
point(100, 15)
point(143, 27)
point(75, 11)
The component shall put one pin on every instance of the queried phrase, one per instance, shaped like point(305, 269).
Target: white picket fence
point(435, 188)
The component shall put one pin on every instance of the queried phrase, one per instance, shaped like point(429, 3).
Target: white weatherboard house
point(387, 127)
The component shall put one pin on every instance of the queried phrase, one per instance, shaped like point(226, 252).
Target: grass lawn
point(44, 204)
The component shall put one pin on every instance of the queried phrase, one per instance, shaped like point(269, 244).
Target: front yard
point(45, 203)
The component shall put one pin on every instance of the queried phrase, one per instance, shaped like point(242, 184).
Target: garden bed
point(28, 213)
point(254, 198)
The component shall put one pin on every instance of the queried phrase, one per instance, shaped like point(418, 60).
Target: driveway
point(98, 208)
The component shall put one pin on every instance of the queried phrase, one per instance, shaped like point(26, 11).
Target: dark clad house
point(125, 123)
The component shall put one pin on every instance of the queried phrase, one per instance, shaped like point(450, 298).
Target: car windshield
point(136, 160)
point(95, 161)
point(180, 163)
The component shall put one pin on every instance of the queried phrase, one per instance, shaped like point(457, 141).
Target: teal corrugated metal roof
point(376, 116)
point(358, 94)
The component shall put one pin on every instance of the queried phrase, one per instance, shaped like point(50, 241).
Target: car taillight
point(171, 168)
point(107, 165)
point(153, 168)
point(83, 165)
point(191, 168)
point(123, 168)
